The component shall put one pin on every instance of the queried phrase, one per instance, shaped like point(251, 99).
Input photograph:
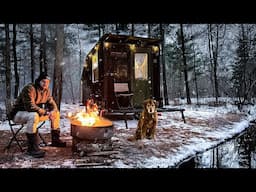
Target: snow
point(206, 127)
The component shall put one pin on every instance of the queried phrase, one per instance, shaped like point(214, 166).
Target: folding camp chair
point(124, 104)
point(16, 128)
point(123, 96)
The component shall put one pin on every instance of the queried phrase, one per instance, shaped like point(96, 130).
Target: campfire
point(88, 116)
point(89, 125)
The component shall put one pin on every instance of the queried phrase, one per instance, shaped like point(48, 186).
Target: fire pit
point(101, 130)
point(89, 127)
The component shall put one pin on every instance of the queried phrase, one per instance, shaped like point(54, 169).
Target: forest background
point(197, 60)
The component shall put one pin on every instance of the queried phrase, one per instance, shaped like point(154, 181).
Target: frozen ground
point(205, 127)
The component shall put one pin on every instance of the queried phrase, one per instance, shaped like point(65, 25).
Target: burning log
point(88, 126)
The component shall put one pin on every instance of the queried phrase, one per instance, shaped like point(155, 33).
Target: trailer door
point(142, 88)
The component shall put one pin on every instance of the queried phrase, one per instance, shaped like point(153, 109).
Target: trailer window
point(141, 66)
point(95, 67)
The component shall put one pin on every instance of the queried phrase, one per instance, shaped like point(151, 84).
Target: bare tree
point(149, 30)
point(17, 79)
point(215, 61)
point(185, 64)
point(69, 76)
point(42, 57)
point(31, 34)
point(80, 59)
point(209, 27)
point(8, 69)
point(100, 29)
point(195, 73)
point(80, 49)
point(132, 29)
point(57, 83)
point(195, 66)
point(166, 102)
point(117, 30)
point(213, 53)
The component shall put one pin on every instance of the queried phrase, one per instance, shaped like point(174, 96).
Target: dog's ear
point(145, 103)
point(156, 103)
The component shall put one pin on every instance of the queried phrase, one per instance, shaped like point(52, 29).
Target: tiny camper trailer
point(130, 63)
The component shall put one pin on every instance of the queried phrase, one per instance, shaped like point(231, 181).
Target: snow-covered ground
point(205, 127)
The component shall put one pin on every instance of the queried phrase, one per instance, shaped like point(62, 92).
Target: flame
point(87, 119)
point(88, 116)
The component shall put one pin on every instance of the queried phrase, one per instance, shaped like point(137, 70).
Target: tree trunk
point(99, 29)
point(71, 87)
point(214, 57)
point(80, 49)
point(210, 55)
point(245, 61)
point(32, 52)
point(132, 29)
point(17, 79)
point(57, 84)
point(149, 30)
point(215, 65)
point(8, 69)
point(103, 28)
point(80, 61)
point(117, 31)
point(195, 73)
point(43, 63)
point(185, 64)
point(166, 102)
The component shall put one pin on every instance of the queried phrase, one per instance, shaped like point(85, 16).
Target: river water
point(238, 152)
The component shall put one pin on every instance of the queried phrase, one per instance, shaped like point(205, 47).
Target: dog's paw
point(131, 138)
point(151, 137)
point(140, 144)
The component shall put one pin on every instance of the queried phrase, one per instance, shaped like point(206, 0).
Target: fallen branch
point(89, 164)
point(102, 153)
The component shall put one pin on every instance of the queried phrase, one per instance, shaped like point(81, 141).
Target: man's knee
point(33, 120)
point(33, 116)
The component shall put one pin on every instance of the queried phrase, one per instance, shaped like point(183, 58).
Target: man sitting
point(35, 104)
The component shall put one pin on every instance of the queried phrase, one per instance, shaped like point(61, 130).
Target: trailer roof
point(128, 39)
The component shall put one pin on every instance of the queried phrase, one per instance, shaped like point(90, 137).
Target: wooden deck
point(125, 114)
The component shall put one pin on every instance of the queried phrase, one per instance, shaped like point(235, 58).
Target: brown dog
point(148, 120)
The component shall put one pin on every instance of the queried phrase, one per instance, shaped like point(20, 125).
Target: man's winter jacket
point(32, 98)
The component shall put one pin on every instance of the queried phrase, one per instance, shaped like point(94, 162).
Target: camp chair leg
point(41, 137)
point(14, 138)
point(125, 120)
point(183, 117)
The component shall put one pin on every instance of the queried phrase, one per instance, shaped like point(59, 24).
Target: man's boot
point(56, 142)
point(33, 148)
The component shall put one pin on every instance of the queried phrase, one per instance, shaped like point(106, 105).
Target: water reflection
point(239, 152)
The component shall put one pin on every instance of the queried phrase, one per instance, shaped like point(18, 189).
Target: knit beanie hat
point(43, 75)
